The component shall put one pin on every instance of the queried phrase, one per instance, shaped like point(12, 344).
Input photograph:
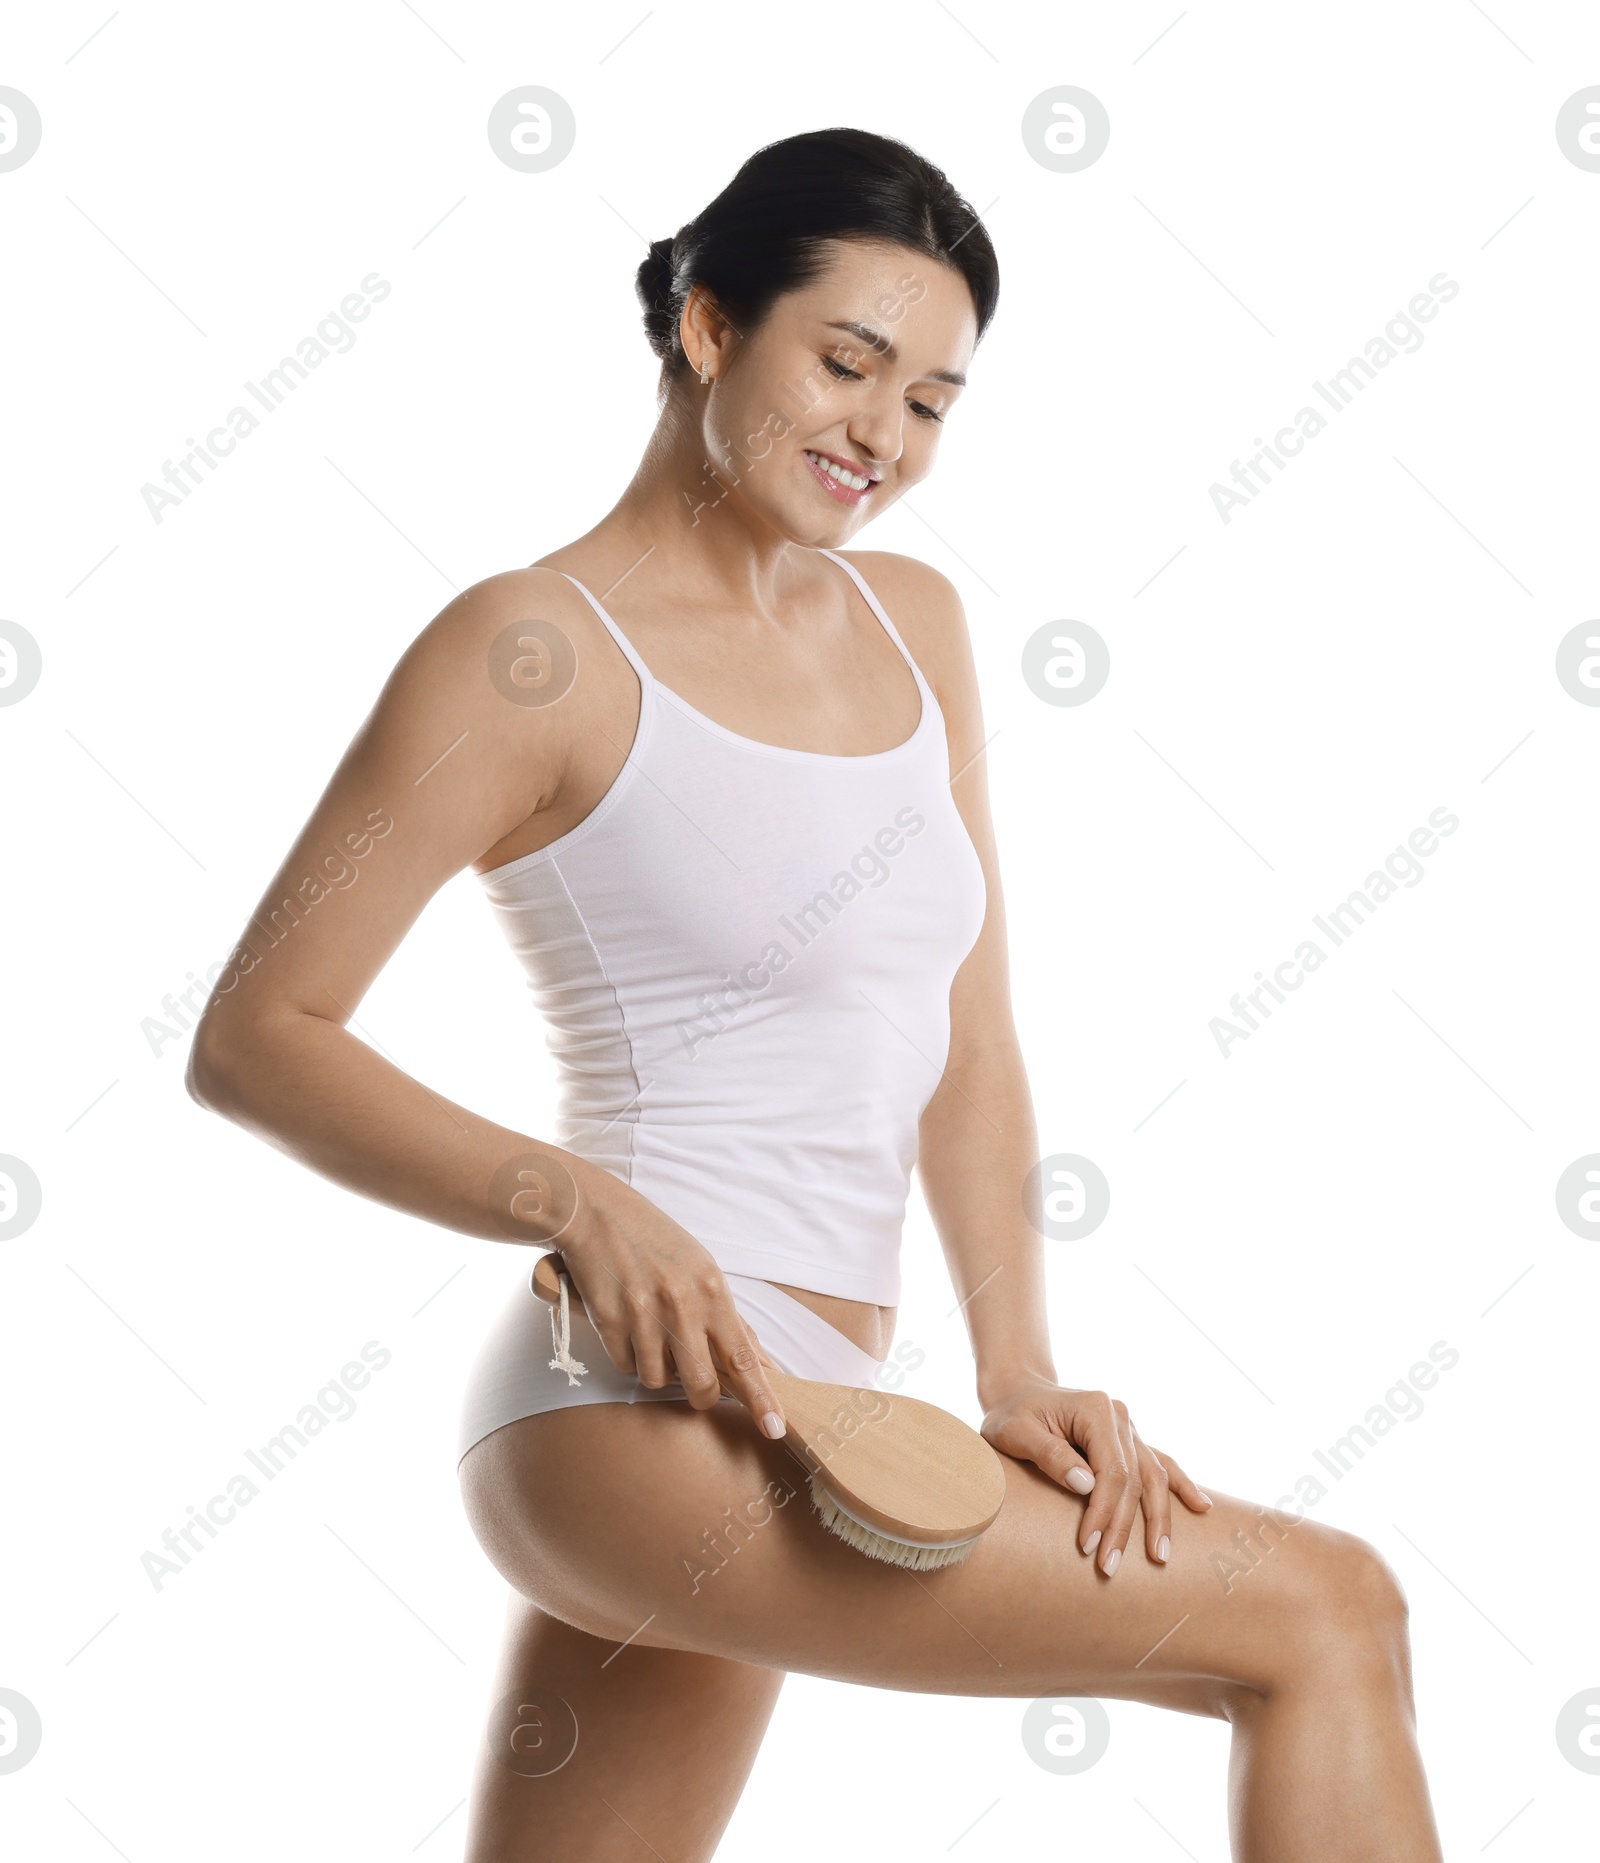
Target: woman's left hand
point(1085, 1441)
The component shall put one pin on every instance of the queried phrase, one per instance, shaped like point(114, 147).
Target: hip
point(516, 1374)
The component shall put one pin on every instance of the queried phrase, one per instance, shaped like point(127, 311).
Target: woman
point(732, 818)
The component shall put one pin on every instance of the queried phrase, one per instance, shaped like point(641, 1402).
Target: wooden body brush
point(897, 1479)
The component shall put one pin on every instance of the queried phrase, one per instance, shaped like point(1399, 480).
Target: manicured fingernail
point(1091, 1542)
point(773, 1424)
point(1081, 1479)
point(1164, 1548)
point(1203, 1496)
point(1113, 1560)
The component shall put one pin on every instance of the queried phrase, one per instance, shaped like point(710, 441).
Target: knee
point(1390, 1593)
point(1359, 1602)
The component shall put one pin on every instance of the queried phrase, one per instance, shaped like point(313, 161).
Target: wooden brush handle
point(546, 1280)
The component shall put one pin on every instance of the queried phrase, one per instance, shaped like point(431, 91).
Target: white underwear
point(512, 1376)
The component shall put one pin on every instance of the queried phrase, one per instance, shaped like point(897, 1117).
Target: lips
point(845, 494)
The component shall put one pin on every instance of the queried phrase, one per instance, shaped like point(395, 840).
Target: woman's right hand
point(660, 1303)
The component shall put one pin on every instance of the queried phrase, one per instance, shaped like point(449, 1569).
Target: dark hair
point(763, 235)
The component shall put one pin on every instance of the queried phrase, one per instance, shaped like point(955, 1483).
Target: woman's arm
point(977, 1147)
point(441, 772)
point(977, 1137)
point(978, 1144)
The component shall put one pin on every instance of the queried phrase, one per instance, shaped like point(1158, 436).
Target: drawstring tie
point(561, 1338)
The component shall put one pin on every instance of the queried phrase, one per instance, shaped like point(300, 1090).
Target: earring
point(705, 375)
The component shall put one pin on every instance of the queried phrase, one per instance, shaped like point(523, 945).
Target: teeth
point(851, 479)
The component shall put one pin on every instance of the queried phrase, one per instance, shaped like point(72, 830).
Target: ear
point(706, 335)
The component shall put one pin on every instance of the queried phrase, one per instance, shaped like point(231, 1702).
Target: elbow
point(239, 1059)
point(212, 1073)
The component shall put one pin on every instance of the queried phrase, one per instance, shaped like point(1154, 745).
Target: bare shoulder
point(926, 609)
point(517, 668)
point(501, 653)
point(475, 620)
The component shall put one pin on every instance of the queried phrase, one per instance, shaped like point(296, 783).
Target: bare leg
point(635, 1523)
point(609, 1759)
point(1334, 1747)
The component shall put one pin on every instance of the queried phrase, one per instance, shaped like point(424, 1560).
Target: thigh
point(603, 1755)
point(686, 1530)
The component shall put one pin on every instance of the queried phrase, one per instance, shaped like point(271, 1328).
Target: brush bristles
point(879, 1545)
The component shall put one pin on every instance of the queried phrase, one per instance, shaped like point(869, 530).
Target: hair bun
point(654, 284)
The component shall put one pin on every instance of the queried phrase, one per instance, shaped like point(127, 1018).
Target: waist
point(862, 1323)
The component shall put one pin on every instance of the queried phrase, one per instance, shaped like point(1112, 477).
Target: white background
point(1291, 693)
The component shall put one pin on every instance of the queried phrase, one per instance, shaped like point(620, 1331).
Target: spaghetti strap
point(646, 677)
point(649, 682)
point(877, 608)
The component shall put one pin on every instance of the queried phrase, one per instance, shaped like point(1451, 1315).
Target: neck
point(691, 519)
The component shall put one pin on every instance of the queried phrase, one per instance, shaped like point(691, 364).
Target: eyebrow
point(876, 341)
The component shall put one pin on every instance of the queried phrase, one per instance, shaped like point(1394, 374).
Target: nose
point(877, 434)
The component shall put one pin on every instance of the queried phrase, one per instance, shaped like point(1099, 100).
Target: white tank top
point(743, 957)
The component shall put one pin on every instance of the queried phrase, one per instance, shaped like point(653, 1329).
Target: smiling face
point(833, 406)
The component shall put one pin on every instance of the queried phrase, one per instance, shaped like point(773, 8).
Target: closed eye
point(842, 374)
